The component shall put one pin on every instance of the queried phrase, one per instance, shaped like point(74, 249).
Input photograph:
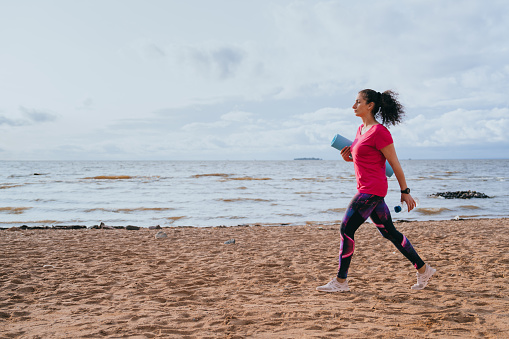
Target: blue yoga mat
point(339, 142)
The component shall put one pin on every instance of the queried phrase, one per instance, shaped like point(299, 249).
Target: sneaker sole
point(417, 288)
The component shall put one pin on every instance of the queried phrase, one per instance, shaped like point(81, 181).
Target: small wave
point(122, 177)
point(450, 173)
point(311, 179)
point(130, 210)
point(235, 217)
point(171, 220)
point(140, 209)
point(471, 216)
point(290, 214)
point(245, 178)
point(210, 175)
point(110, 177)
point(335, 210)
point(14, 210)
point(470, 207)
point(431, 210)
point(2, 187)
point(242, 199)
point(438, 177)
point(38, 222)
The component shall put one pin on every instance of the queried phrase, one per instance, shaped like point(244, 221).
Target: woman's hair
point(387, 106)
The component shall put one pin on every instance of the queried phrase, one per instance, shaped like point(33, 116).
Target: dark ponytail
point(387, 106)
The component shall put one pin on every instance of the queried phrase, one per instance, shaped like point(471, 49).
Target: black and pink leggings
point(361, 207)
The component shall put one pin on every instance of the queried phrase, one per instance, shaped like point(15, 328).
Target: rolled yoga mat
point(339, 142)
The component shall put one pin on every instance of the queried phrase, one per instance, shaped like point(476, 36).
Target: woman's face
point(360, 107)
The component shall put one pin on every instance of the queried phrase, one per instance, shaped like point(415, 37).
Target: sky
point(248, 80)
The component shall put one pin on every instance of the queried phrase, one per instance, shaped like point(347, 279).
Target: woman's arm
point(390, 154)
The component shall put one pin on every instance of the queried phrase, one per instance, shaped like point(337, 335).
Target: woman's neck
point(369, 121)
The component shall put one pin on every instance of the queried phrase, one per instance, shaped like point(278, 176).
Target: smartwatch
point(406, 191)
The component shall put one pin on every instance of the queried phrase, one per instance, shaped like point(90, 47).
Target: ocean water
point(214, 193)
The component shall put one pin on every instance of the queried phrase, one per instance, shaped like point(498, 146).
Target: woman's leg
point(381, 216)
point(359, 209)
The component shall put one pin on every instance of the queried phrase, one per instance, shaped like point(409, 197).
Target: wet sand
point(97, 283)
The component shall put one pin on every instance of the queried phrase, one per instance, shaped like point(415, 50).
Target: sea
point(230, 193)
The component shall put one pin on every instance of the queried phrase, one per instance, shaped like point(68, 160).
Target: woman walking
point(372, 146)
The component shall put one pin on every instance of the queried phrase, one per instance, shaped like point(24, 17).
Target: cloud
point(422, 49)
point(198, 126)
point(154, 51)
point(87, 104)
point(219, 61)
point(257, 133)
point(261, 132)
point(238, 116)
point(324, 114)
point(274, 77)
point(456, 128)
point(37, 116)
point(226, 60)
point(227, 120)
point(312, 132)
point(11, 122)
point(34, 117)
point(433, 55)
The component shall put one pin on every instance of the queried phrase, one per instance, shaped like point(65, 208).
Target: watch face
point(407, 191)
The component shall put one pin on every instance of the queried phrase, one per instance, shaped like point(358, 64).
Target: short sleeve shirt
point(369, 161)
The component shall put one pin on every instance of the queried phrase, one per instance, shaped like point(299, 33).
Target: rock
point(230, 242)
point(460, 195)
point(25, 227)
point(103, 226)
point(132, 228)
point(68, 227)
point(161, 235)
point(154, 227)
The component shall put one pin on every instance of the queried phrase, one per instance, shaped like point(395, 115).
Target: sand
point(96, 283)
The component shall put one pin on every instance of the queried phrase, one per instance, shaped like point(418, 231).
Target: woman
point(372, 146)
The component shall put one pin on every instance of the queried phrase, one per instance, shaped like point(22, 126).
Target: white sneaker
point(423, 279)
point(334, 286)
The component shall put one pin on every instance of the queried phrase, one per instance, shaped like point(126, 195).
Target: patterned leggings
point(361, 207)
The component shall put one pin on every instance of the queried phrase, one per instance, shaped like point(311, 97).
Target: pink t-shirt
point(369, 161)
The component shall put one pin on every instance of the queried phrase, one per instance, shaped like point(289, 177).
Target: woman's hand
point(346, 153)
point(410, 202)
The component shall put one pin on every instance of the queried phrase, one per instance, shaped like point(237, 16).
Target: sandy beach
point(99, 283)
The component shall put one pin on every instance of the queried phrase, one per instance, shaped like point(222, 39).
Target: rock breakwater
point(460, 195)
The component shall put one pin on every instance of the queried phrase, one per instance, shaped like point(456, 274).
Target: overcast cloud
point(125, 79)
